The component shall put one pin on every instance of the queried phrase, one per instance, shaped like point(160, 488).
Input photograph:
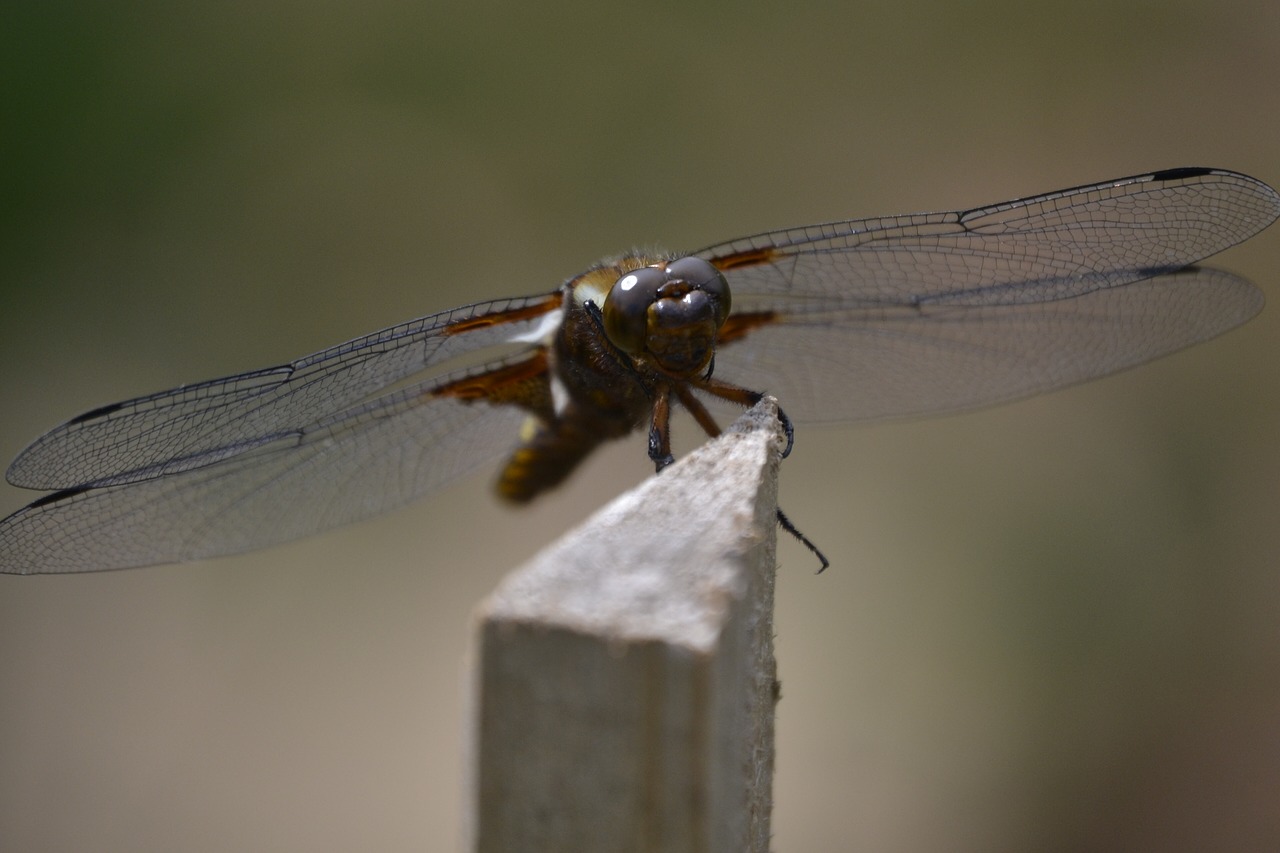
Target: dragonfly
point(851, 321)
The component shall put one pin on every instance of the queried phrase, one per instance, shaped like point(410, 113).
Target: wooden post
point(625, 682)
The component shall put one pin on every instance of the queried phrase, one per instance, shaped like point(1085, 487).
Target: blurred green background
point(1049, 626)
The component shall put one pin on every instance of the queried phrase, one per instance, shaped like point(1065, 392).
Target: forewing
point(1047, 247)
point(196, 425)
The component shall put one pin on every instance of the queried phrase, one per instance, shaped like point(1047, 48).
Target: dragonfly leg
point(660, 430)
point(746, 399)
point(785, 524)
point(708, 424)
point(699, 411)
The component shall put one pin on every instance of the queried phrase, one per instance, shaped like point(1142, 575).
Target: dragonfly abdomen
point(549, 452)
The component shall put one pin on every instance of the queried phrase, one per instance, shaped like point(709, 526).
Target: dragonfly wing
point(1052, 246)
point(858, 364)
point(929, 313)
point(363, 463)
point(197, 425)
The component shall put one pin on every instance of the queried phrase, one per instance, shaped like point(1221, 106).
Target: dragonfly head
point(669, 312)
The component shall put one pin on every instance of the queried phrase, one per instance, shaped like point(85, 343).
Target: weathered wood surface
point(624, 678)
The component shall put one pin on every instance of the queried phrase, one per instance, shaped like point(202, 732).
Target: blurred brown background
point(1049, 626)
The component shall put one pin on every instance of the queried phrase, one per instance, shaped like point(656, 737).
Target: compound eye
point(626, 308)
point(702, 275)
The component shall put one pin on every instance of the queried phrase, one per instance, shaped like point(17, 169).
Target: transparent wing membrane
point(846, 321)
point(197, 425)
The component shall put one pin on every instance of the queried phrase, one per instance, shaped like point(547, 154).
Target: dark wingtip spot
point(54, 497)
point(1152, 272)
point(1180, 174)
point(96, 413)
